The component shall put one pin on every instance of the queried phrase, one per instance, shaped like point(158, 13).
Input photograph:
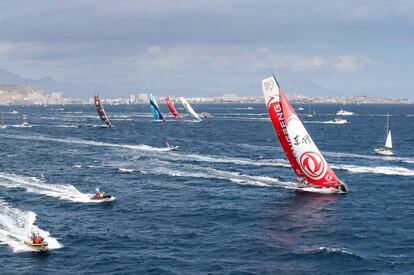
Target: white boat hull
point(301, 186)
point(384, 152)
point(318, 190)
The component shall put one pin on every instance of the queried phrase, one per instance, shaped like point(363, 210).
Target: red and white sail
point(171, 106)
point(302, 153)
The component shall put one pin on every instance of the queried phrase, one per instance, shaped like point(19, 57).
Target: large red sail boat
point(313, 172)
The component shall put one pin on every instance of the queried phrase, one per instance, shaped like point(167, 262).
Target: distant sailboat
point(155, 109)
point(310, 111)
point(171, 107)
point(386, 150)
point(2, 126)
point(189, 109)
point(101, 111)
point(313, 172)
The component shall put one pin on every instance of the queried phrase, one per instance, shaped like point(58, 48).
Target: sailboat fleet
point(156, 112)
point(312, 171)
point(310, 167)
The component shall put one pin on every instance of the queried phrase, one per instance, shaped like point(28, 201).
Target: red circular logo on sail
point(313, 165)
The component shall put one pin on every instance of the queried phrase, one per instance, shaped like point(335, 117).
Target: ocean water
point(224, 203)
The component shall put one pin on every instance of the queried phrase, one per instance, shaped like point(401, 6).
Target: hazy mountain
point(47, 84)
point(185, 85)
point(301, 85)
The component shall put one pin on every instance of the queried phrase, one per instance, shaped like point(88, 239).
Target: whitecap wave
point(126, 170)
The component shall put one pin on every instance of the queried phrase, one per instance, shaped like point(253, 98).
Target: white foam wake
point(211, 173)
point(227, 159)
point(38, 186)
point(141, 147)
point(16, 225)
point(326, 122)
point(385, 170)
point(386, 158)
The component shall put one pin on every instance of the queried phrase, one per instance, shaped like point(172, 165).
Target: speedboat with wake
point(340, 121)
point(37, 242)
point(312, 171)
point(172, 147)
point(102, 196)
point(25, 124)
point(342, 112)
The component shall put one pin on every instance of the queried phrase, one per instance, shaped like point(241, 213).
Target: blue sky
point(210, 47)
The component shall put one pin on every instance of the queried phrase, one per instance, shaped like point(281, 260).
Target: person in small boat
point(36, 239)
point(99, 194)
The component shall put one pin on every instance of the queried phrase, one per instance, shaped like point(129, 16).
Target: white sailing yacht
point(2, 125)
point(386, 150)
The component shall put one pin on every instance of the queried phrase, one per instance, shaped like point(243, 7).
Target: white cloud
point(350, 63)
point(225, 58)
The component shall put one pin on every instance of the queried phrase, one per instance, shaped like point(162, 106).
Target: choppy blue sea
point(223, 203)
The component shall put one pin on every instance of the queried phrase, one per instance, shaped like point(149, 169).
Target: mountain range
point(172, 85)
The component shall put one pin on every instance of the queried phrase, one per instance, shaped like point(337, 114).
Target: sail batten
point(305, 158)
point(171, 107)
point(101, 111)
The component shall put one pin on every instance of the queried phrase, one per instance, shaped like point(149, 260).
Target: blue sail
point(155, 110)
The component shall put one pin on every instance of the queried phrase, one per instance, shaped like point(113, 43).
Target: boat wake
point(227, 159)
point(141, 147)
point(387, 158)
point(384, 170)
point(327, 251)
point(16, 225)
point(193, 171)
point(38, 186)
point(327, 122)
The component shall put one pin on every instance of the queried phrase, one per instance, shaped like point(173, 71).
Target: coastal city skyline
point(28, 95)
